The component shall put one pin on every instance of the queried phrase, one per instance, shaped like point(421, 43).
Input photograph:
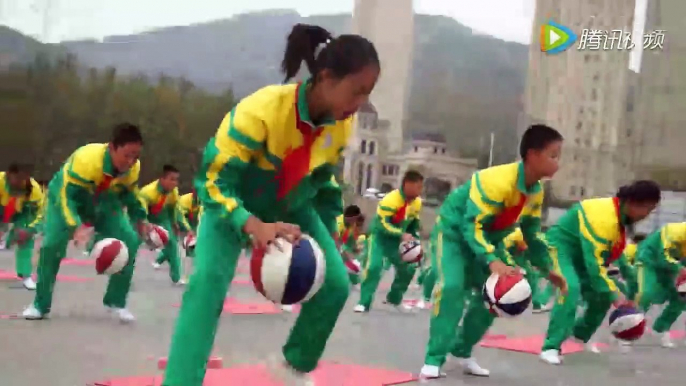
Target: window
point(363, 146)
point(415, 149)
point(572, 191)
point(435, 150)
point(443, 151)
point(360, 177)
point(579, 125)
point(594, 94)
point(582, 191)
point(372, 147)
point(369, 176)
point(384, 170)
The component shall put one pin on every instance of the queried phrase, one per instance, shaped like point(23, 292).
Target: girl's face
point(637, 211)
point(345, 96)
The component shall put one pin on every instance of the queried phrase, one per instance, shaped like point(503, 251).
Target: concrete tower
point(389, 24)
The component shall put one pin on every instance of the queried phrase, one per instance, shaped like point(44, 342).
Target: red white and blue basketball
point(353, 266)
point(411, 251)
point(508, 295)
point(110, 255)
point(158, 237)
point(627, 323)
point(681, 287)
point(291, 275)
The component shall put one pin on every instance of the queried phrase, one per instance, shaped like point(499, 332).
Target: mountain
point(465, 85)
point(16, 48)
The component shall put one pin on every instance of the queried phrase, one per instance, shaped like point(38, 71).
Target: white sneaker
point(29, 284)
point(32, 313)
point(666, 340)
point(402, 307)
point(286, 375)
point(592, 347)
point(551, 357)
point(156, 265)
point(85, 253)
point(421, 304)
point(286, 308)
point(471, 367)
point(124, 315)
point(360, 308)
point(429, 372)
point(545, 308)
point(183, 282)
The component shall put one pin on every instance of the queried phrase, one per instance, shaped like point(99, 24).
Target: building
point(369, 164)
point(389, 24)
point(661, 93)
point(582, 93)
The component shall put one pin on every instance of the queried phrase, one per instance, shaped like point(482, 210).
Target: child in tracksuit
point(474, 220)
point(587, 238)
point(261, 172)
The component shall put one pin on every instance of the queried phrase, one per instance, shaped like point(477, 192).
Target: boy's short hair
point(538, 137)
point(412, 176)
point(126, 133)
point(352, 211)
point(167, 168)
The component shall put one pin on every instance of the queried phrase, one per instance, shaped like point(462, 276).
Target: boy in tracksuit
point(396, 221)
point(262, 172)
point(92, 186)
point(474, 220)
point(162, 197)
point(354, 221)
point(21, 201)
point(659, 262)
point(588, 238)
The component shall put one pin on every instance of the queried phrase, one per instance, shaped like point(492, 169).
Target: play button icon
point(556, 38)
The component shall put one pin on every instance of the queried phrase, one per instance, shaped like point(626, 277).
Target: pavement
point(82, 343)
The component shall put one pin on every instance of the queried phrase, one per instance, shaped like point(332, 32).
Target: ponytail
point(341, 56)
point(301, 45)
point(643, 191)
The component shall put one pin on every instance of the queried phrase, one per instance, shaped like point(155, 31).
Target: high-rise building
point(660, 117)
point(582, 93)
point(389, 24)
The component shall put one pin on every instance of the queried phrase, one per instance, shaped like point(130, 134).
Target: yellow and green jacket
point(257, 162)
point(21, 207)
point(664, 249)
point(88, 185)
point(630, 253)
point(488, 207)
point(395, 216)
point(163, 206)
point(190, 209)
point(328, 203)
point(591, 232)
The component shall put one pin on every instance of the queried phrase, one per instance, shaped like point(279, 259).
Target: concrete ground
point(81, 343)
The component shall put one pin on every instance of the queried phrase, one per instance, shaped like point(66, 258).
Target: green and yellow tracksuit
point(163, 210)
point(349, 249)
point(586, 239)
point(659, 261)
point(89, 189)
point(394, 217)
point(267, 159)
point(427, 275)
point(623, 273)
point(191, 210)
point(473, 221)
point(23, 209)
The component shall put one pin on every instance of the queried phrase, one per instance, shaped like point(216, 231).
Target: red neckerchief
point(508, 217)
point(104, 185)
point(10, 209)
point(296, 163)
point(346, 236)
point(157, 208)
point(399, 215)
point(618, 247)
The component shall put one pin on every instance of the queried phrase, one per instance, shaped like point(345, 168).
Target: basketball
point(353, 266)
point(627, 323)
point(681, 287)
point(411, 251)
point(507, 296)
point(110, 255)
point(189, 241)
point(291, 275)
point(158, 237)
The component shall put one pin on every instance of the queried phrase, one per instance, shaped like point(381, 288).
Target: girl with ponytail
point(587, 239)
point(260, 173)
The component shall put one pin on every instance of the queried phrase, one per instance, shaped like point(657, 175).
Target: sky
point(58, 20)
